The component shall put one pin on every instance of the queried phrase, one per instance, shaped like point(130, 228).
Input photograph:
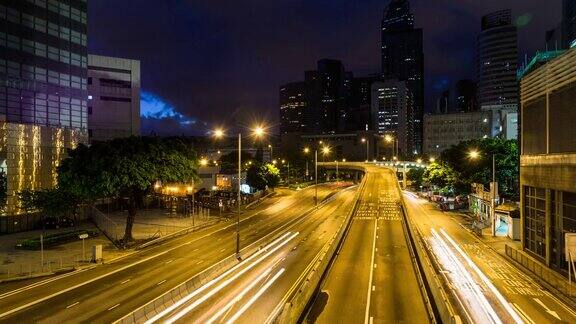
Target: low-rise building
point(113, 97)
point(548, 159)
point(441, 131)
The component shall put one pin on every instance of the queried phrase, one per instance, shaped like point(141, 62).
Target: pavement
point(107, 292)
point(373, 279)
point(488, 286)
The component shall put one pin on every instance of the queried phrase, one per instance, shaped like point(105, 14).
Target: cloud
point(155, 107)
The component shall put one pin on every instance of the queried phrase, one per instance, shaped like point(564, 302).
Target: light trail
point(462, 278)
point(212, 282)
point(239, 296)
point(255, 297)
point(221, 286)
point(485, 279)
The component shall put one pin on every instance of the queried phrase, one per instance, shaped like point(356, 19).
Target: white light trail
point(238, 297)
point(255, 297)
point(459, 272)
point(221, 286)
point(212, 282)
point(485, 279)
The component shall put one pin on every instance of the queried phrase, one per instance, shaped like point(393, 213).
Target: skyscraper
point(466, 96)
point(392, 112)
point(403, 57)
point(497, 62)
point(568, 23)
point(294, 108)
point(43, 89)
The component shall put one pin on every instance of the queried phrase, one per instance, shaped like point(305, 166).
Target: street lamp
point(419, 161)
point(367, 148)
point(432, 160)
point(474, 154)
point(204, 162)
point(392, 139)
point(257, 131)
point(306, 151)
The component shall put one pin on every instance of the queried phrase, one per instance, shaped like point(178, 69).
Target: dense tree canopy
point(229, 162)
point(261, 176)
point(126, 168)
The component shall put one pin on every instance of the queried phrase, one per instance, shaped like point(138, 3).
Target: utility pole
point(316, 178)
point(239, 196)
point(494, 188)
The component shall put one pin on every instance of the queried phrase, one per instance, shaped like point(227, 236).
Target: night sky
point(207, 62)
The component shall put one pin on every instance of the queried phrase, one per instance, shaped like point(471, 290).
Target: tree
point(50, 202)
point(229, 162)
point(126, 168)
point(3, 189)
point(415, 176)
point(440, 175)
point(260, 176)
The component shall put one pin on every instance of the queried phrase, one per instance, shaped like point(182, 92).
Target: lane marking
point(222, 250)
point(161, 282)
point(72, 305)
point(373, 288)
point(371, 319)
point(366, 315)
point(199, 261)
point(111, 308)
point(125, 281)
point(169, 261)
point(568, 309)
point(548, 310)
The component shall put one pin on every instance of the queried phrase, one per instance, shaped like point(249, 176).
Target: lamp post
point(392, 139)
point(364, 140)
point(258, 132)
point(475, 155)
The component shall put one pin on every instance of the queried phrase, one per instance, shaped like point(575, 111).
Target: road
point(109, 291)
point(373, 279)
point(256, 289)
point(522, 299)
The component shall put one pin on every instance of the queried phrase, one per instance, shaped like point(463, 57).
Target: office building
point(360, 103)
point(403, 57)
point(497, 62)
point(113, 97)
point(43, 89)
point(548, 158)
point(392, 111)
point(441, 131)
point(443, 103)
point(568, 23)
point(294, 108)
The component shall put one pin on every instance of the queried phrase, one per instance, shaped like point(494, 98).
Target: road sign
point(83, 236)
point(570, 245)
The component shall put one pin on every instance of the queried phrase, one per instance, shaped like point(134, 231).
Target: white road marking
point(222, 250)
point(72, 305)
point(366, 316)
point(111, 308)
point(371, 319)
point(373, 288)
point(199, 261)
point(125, 281)
point(161, 282)
point(169, 261)
point(548, 310)
point(568, 309)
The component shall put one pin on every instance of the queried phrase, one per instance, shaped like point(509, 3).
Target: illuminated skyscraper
point(43, 88)
point(403, 57)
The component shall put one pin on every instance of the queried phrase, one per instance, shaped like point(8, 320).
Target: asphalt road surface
point(373, 279)
point(529, 301)
point(107, 292)
point(255, 290)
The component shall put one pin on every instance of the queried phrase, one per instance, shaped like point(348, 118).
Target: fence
point(50, 265)
point(109, 227)
point(546, 274)
point(26, 222)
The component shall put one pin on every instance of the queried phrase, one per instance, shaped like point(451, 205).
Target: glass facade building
point(43, 88)
point(403, 58)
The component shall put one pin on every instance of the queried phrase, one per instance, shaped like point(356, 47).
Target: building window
point(535, 220)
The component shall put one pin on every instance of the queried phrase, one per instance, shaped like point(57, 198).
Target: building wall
point(30, 154)
point(441, 131)
point(548, 161)
point(294, 108)
point(114, 97)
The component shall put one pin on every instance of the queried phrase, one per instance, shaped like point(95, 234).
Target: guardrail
point(432, 285)
point(295, 302)
point(177, 293)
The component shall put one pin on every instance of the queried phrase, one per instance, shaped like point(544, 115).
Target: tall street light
point(474, 154)
point(392, 139)
point(367, 148)
point(258, 131)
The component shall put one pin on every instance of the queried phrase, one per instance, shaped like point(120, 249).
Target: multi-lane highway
point(107, 292)
point(490, 289)
point(373, 278)
point(256, 290)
